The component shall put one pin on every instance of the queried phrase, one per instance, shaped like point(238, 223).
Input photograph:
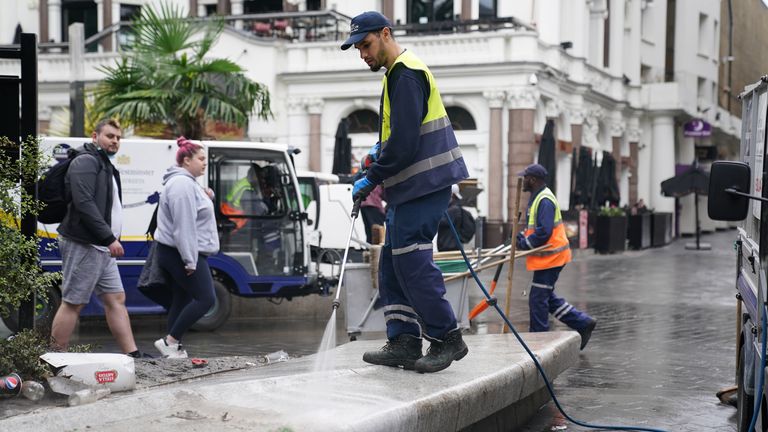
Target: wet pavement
point(663, 346)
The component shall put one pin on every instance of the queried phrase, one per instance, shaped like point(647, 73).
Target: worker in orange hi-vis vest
point(246, 190)
point(545, 227)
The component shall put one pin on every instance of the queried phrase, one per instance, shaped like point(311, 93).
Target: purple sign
point(697, 128)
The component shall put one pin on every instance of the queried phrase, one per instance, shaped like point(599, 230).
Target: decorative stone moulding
point(523, 98)
point(495, 98)
point(314, 105)
point(553, 108)
point(576, 116)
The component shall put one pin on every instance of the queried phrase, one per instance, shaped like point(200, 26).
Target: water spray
point(355, 212)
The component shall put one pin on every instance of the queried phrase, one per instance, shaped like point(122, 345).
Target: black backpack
point(51, 191)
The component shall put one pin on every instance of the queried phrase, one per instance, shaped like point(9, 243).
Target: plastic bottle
point(10, 385)
point(276, 357)
point(32, 390)
point(87, 396)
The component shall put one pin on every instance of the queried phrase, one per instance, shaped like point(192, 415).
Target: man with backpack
point(89, 239)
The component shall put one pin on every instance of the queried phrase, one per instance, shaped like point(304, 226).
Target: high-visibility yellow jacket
point(438, 162)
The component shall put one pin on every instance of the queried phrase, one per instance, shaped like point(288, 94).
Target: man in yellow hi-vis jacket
point(417, 161)
point(545, 227)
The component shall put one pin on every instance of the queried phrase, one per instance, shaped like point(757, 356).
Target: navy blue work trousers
point(410, 284)
point(543, 301)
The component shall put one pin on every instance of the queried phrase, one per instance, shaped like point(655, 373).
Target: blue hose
point(761, 380)
point(533, 357)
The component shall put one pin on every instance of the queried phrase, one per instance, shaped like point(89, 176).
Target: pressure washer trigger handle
point(356, 208)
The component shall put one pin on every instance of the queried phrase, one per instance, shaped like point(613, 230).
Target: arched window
point(461, 119)
point(363, 121)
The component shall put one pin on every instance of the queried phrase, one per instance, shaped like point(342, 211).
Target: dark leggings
point(193, 295)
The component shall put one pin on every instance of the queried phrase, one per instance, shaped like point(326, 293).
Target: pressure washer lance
point(355, 212)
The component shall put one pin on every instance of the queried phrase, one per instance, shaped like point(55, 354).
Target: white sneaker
point(170, 350)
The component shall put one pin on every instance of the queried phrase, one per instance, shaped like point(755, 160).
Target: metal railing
point(462, 26)
point(309, 26)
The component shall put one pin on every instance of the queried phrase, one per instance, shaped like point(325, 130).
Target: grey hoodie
point(186, 219)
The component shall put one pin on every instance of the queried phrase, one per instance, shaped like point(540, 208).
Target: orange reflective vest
point(559, 252)
point(228, 210)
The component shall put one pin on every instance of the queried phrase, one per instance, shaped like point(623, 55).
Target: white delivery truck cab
point(737, 192)
point(264, 252)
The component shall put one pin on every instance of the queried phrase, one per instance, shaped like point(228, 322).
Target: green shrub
point(611, 211)
point(20, 274)
point(21, 354)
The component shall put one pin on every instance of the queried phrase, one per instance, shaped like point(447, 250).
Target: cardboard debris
point(114, 371)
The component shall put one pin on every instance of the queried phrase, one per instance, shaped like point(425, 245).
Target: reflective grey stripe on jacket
point(552, 251)
point(428, 127)
point(423, 165)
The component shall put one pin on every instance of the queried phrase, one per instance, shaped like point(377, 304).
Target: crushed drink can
point(10, 385)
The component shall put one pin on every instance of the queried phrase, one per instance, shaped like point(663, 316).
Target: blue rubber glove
point(521, 243)
point(371, 157)
point(362, 188)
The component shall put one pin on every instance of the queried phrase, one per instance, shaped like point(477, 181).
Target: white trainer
point(170, 350)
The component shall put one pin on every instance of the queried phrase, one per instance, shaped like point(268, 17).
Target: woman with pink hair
point(186, 235)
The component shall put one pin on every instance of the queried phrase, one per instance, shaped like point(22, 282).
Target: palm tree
point(165, 78)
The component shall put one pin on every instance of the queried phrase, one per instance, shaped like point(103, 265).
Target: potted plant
point(610, 230)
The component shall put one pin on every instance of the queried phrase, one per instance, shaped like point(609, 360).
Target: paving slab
point(350, 395)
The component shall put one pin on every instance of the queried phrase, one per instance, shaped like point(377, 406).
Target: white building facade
point(606, 71)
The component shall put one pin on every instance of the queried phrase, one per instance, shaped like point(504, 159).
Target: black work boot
point(402, 350)
point(441, 353)
point(586, 333)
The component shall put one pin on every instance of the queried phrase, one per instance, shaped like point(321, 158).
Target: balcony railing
point(307, 26)
point(462, 26)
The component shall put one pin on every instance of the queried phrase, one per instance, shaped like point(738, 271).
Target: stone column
point(576, 116)
point(466, 10)
point(521, 147)
point(616, 48)
point(106, 20)
point(222, 7)
point(54, 20)
point(617, 133)
point(598, 12)
point(315, 110)
point(298, 129)
point(43, 15)
point(237, 9)
point(388, 9)
point(662, 159)
point(494, 228)
point(633, 136)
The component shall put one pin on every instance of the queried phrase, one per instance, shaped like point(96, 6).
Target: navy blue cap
point(534, 170)
point(363, 24)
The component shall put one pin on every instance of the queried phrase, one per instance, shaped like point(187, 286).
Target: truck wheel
point(219, 313)
point(746, 403)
